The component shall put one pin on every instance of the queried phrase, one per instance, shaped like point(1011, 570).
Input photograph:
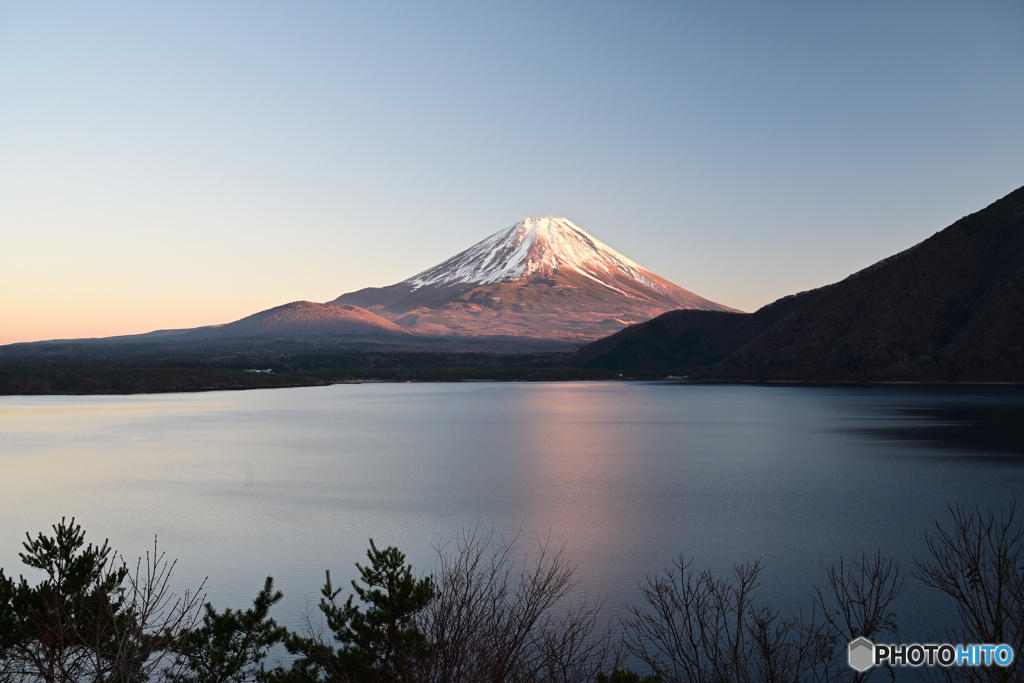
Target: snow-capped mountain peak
point(541, 246)
point(540, 278)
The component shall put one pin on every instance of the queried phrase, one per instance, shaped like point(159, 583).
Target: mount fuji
point(544, 278)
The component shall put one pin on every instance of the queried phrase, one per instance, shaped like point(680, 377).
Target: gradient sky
point(179, 164)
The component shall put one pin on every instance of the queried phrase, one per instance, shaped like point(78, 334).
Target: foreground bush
point(697, 627)
point(500, 615)
point(490, 612)
point(91, 618)
point(979, 563)
point(378, 642)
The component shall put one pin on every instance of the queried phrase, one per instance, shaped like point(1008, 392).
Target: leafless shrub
point(790, 649)
point(693, 626)
point(978, 563)
point(861, 597)
point(859, 601)
point(572, 647)
point(496, 617)
point(149, 641)
point(699, 628)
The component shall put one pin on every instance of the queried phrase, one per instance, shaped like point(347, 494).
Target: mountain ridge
point(950, 308)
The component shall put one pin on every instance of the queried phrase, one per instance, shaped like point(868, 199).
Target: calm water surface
point(290, 482)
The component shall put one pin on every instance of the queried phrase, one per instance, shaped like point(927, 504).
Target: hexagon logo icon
point(862, 654)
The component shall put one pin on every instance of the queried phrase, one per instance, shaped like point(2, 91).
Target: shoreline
point(293, 382)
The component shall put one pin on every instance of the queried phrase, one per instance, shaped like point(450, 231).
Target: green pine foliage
point(378, 640)
point(91, 618)
point(230, 646)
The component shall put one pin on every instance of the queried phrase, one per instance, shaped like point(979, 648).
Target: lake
point(627, 475)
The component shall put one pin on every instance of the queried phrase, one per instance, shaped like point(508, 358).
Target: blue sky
point(181, 164)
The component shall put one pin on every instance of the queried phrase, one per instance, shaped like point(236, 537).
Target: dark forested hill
point(683, 340)
point(948, 309)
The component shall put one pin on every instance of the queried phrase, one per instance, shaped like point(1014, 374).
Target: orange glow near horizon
point(70, 322)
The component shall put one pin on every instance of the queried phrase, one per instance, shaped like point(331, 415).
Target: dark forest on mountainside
point(950, 309)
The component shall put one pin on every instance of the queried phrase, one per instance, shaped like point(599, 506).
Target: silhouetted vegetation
point(979, 563)
point(127, 370)
point(92, 618)
point(491, 613)
point(230, 645)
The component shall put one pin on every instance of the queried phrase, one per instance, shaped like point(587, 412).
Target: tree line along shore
point(96, 373)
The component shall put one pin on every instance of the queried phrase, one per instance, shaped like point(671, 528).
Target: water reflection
point(579, 453)
point(987, 426)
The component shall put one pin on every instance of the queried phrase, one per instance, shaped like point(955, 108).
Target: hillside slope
point(948, 309)
point(302, 319)
point(683, 341)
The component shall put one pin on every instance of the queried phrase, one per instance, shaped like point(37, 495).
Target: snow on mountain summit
point(540, 246)
point(544, 278)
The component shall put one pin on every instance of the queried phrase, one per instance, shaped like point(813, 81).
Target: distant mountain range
point(948, 309)
point(541, 279)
